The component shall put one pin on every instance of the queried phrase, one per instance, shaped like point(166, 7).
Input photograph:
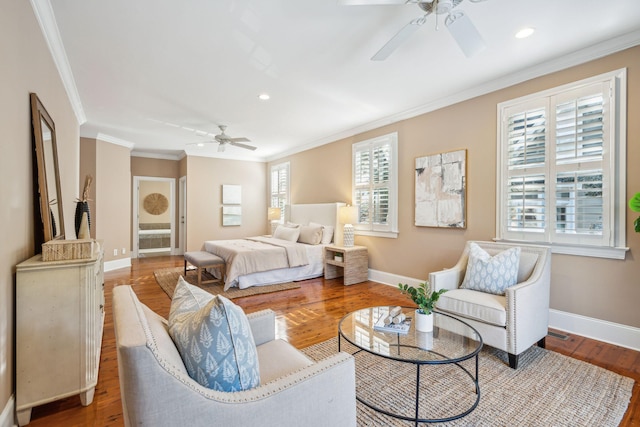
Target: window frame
point(390, 230)
point(613, 240)
point(283, 197)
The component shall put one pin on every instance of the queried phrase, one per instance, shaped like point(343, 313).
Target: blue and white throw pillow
point(214, 339)
point(491, 274)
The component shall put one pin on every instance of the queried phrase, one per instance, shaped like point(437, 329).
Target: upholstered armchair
point(512, 322)
point(156, 389)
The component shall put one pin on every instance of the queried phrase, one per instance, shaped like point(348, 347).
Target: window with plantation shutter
point(375, 185)
point(280, 187)
point(562, 167)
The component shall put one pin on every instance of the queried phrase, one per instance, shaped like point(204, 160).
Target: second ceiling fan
point(223, 139)
point(456, 21)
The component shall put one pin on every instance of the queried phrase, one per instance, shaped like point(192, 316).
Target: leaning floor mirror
point(48, 192)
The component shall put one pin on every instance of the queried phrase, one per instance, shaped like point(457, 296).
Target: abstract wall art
point(440, 190)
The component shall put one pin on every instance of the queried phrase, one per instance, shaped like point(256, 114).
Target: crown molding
point(47, 21)
point(161, 156)
point(113, 140)
point(572, 59)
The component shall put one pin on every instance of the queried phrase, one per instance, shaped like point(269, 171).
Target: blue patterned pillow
point(491, 274)
point(214, 339)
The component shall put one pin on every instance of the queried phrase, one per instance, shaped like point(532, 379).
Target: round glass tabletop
point(450, 341)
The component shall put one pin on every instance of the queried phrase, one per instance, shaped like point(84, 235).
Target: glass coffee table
point(435, 369)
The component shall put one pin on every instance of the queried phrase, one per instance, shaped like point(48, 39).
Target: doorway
point(182, 215)
point(153, 216)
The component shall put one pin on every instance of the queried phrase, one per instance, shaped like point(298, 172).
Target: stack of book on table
point(395, 321)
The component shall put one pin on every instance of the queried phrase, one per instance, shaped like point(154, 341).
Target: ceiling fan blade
point(242, 139)
point(398, 39)
point(465, 33)
point(237, 144)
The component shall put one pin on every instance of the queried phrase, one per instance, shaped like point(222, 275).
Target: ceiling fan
point(456, 21)
point(223, 139)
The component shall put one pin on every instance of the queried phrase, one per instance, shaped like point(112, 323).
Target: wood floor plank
point(304, 317)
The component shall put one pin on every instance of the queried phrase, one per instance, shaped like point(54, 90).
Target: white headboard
point(321, 213)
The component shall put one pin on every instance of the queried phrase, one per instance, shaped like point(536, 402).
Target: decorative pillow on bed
point(287, 233)
point(491, 274)
point(327, 233)
point(310, 234)
point(214, 339)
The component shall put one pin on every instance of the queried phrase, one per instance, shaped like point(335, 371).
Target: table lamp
point(273, 214)
point(348, 215)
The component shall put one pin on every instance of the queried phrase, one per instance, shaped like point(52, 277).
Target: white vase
point(424, 340)
point(424, 322)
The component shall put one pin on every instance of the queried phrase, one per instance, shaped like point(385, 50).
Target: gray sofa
point(157, 391)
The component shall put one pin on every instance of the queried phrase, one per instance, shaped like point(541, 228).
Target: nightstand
point(353, 267)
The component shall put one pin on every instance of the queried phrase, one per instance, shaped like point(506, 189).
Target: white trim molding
point(46, 19)
point(117, 264)
point(113, 140)
point(6, 417)
point(600, 330)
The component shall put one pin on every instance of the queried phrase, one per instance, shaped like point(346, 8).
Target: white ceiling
point(141, 66)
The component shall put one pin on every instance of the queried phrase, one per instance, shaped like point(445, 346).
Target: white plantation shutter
point(280, 187)
point(581, 136)
point(526, 182)
point(375, 184)
point(557, 182)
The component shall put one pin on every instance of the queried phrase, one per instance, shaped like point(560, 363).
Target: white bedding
point(279, 260)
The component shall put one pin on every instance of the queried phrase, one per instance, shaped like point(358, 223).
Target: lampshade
point(348, 214)
point(273, 214)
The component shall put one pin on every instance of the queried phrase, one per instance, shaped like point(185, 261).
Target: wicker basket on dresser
point(59, 323)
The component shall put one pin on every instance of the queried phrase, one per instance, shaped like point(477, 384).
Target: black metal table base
point(416, 419)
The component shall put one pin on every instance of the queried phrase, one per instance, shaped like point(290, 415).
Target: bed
point(264, 260)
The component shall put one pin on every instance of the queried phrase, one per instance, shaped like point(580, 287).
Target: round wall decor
point(155, 204)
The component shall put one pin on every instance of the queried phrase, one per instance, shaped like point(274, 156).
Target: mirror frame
point(47, 175)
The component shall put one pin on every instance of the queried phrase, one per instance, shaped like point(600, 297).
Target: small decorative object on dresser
point(426, 300)
point(83, 213)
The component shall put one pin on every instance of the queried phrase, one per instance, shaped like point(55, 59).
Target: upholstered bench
point(202, 260)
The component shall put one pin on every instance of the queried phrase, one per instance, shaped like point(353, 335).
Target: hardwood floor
point(305, 316)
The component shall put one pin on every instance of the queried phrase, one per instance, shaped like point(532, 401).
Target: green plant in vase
point(634, 205)
point(422, 295)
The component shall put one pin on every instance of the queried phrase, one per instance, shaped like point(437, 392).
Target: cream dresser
point(59, 321)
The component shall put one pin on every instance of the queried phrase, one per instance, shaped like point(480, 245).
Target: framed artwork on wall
point(231, 215)
point(440, 190)
point(231, 194)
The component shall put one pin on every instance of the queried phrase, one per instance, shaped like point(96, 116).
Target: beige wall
point(113, 199)
point(205, 177)
point(26, 67)
point(593, 287)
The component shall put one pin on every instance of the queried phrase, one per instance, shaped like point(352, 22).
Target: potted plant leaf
point(425, 299)
point(634, 205)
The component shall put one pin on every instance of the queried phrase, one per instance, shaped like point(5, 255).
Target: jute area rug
point(167, 278)
point(547, 389)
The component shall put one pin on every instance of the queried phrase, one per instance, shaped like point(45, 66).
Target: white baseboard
point(7, 415)
point(600, 330)
point(117, 264)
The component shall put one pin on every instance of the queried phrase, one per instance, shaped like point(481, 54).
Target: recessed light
point(264, 96)
point(525, 32)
